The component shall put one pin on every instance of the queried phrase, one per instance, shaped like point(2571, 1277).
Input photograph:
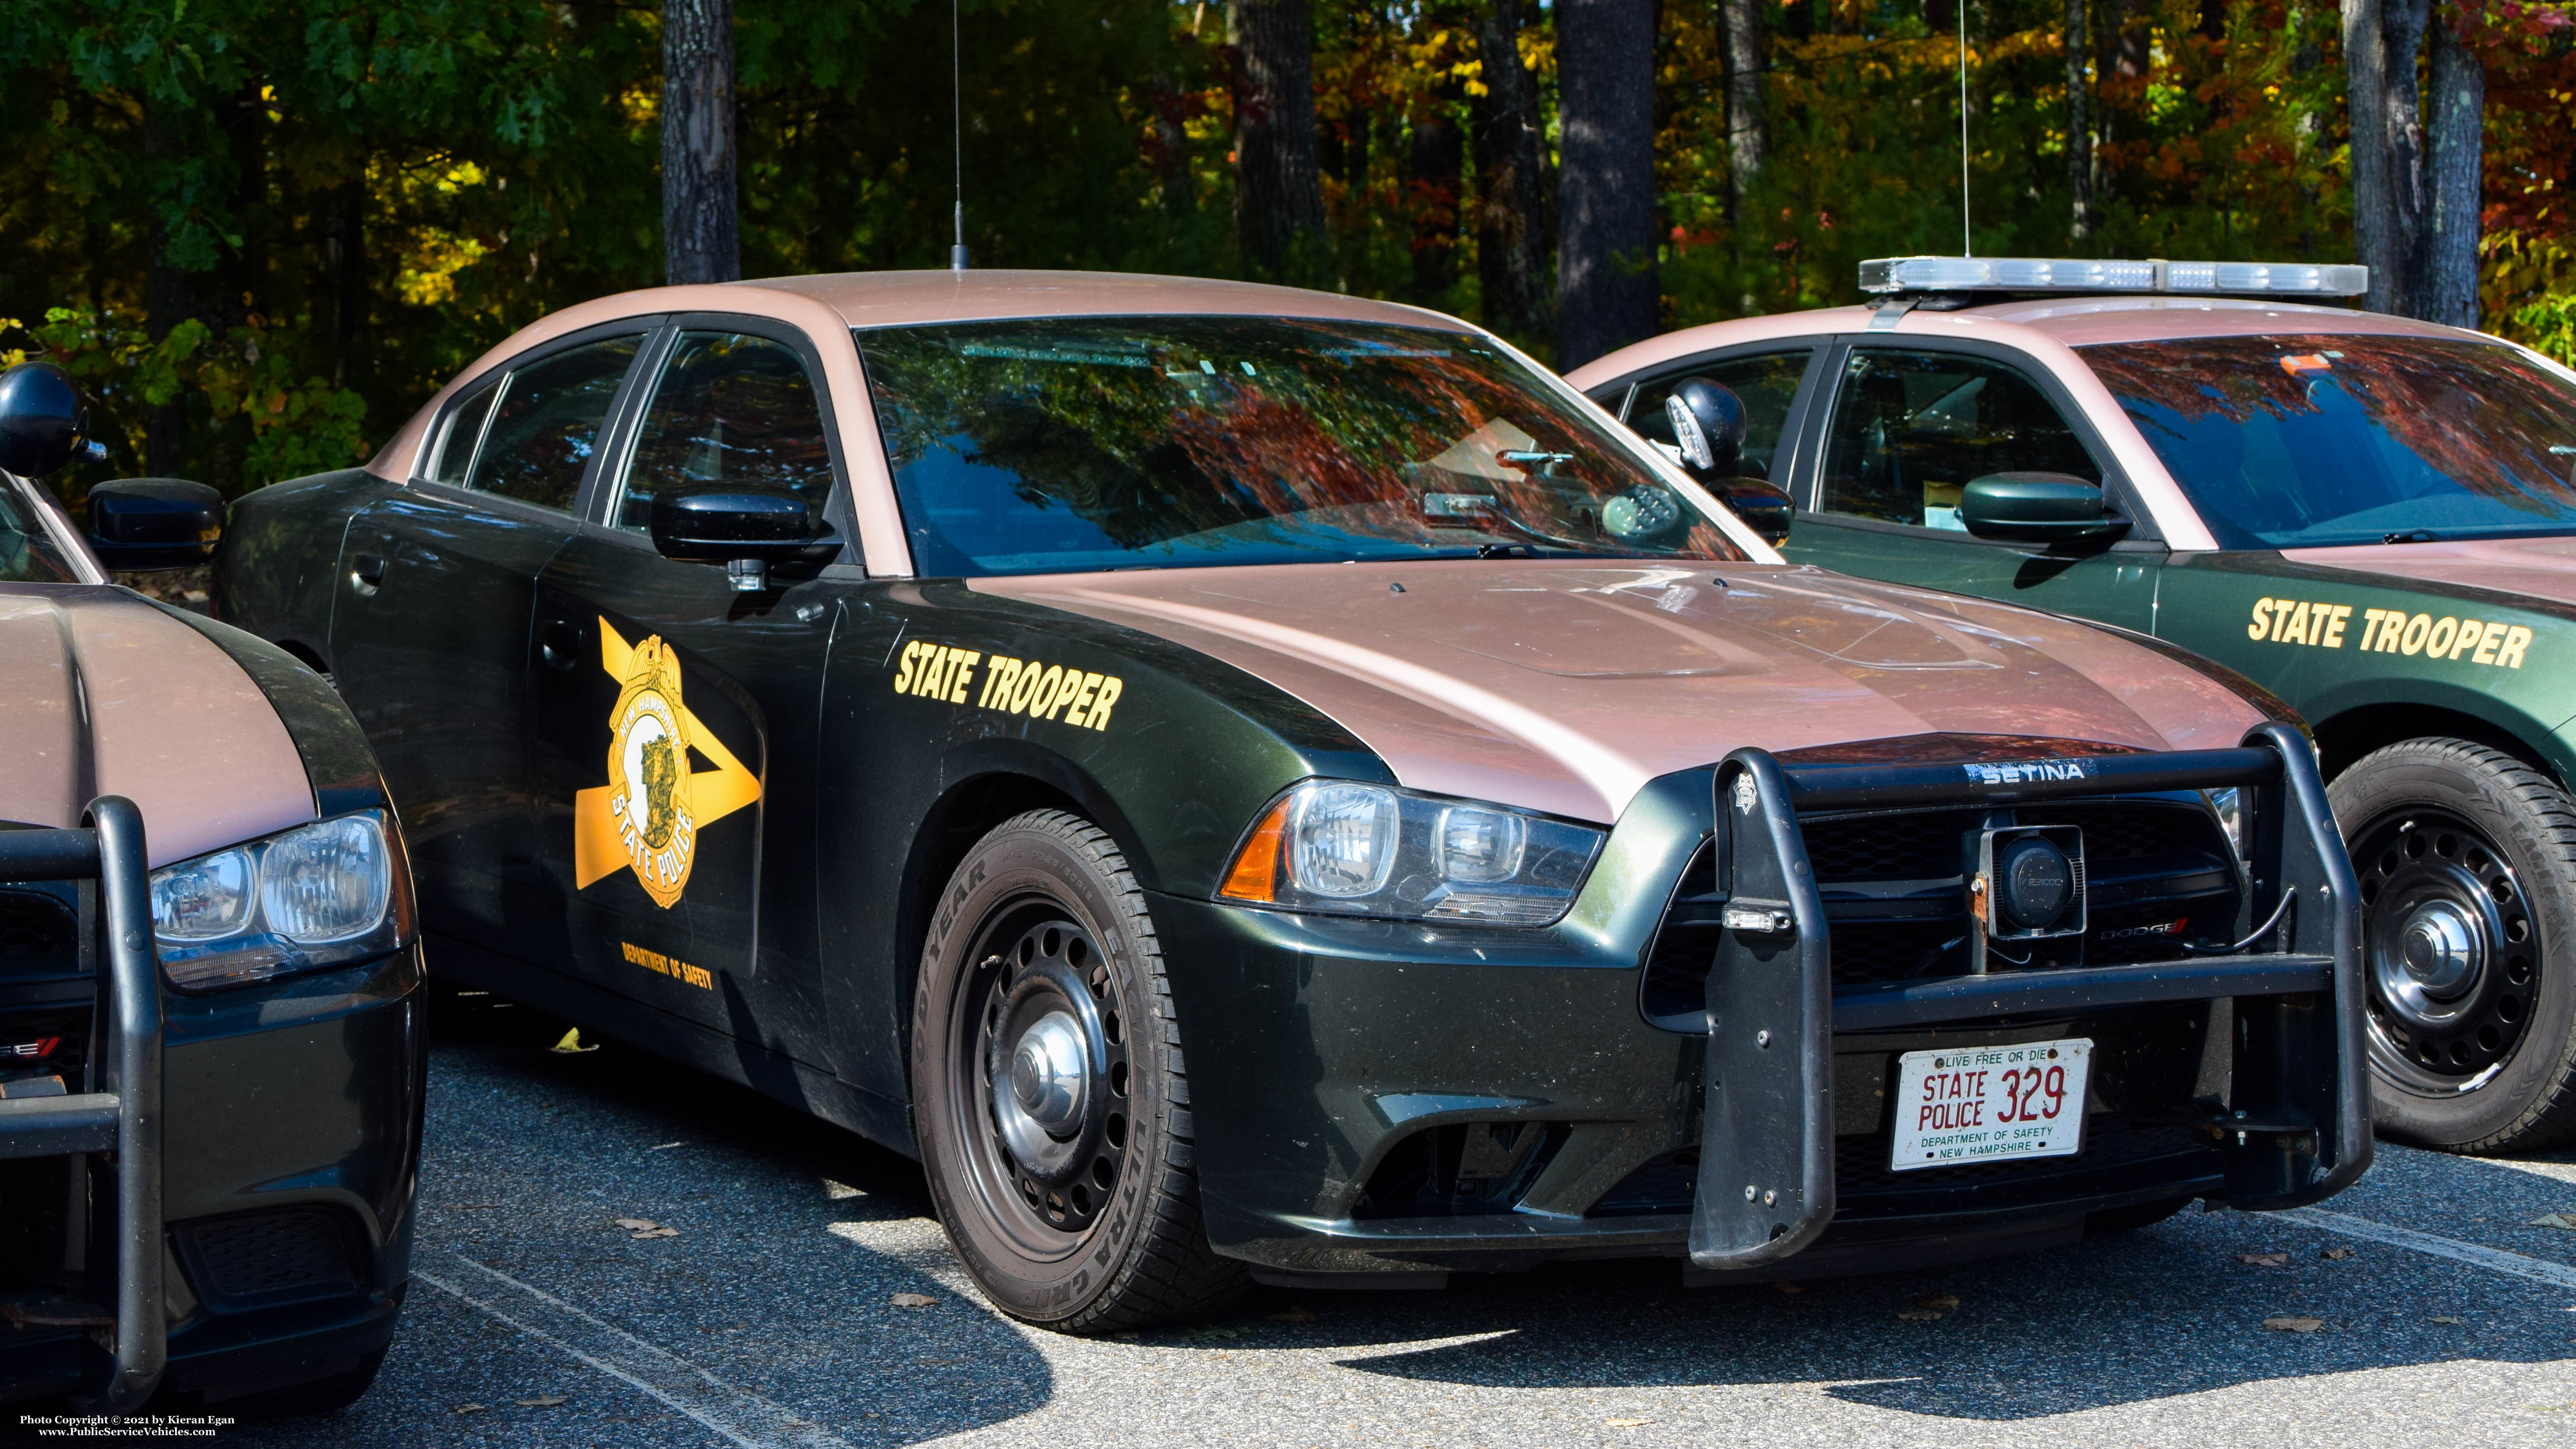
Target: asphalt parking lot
point(770, 1316)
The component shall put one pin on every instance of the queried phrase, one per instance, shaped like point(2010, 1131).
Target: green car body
point(2393, 627)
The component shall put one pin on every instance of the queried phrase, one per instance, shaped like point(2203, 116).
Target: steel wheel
point(2452, 956)
point(1044, 1065)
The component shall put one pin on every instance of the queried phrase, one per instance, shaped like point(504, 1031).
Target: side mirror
point(1764, 506)
point(42, 421)
point(748, 530)
point(2038, 507)
point(1708, 426)
point(154, 523)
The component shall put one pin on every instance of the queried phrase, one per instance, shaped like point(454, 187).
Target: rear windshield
point(28, 554)
point(2300, 441)
point(1093, 443)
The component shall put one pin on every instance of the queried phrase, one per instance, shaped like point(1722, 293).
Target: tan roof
point(895, 299)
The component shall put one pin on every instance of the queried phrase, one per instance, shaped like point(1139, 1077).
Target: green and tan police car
point(2373, 517)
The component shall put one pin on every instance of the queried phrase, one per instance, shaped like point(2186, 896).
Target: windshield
point(1144, 442)
point(2302, 441)
point(28, 554)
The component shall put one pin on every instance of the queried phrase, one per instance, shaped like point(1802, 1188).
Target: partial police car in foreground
point(211, 1046)
point(2373, 517)
point(1252, 783)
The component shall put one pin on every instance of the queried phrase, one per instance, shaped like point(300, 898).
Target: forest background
point(261, 232)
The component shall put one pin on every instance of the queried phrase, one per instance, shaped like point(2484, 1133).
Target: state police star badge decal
point(648, 816)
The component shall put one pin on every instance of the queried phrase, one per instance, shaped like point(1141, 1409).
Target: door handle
point(366, 574)
point(559, 642)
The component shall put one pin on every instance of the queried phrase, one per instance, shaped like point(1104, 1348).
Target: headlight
point(2228, 804)
point(315, 896)
point(1367, 850)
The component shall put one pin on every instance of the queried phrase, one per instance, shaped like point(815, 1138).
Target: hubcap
point(1046, 1059)
point(2454, 958)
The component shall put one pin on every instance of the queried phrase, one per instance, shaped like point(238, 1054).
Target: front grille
point(39, 934)
point(2159, 875)
point(255, 1260)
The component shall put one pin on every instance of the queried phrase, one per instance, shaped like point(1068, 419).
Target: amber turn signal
point(1255, 876)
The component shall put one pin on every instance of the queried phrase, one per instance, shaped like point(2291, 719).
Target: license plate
point(1990, 1104)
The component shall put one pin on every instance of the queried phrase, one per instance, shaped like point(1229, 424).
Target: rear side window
point(546, 423)
point(1911, 429)
point(464, 434)
point(729, 408)
point(1766, 385)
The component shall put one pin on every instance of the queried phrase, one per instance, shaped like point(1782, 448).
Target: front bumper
point(257, 1231)
point(1384, 1098)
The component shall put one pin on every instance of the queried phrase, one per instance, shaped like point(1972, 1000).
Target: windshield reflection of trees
point(2483, 418)
point(1220, 433)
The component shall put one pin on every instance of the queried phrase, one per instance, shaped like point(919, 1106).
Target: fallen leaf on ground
point(1944, 1302)
point(839, 1190)
point(2294, 1325)
point(1627, 1423)
point(2264, 1260)
point(637, 1225)
point(912, 1300)
point(2446, 1318)
point(2335, 1255)
point(1293, 1315)
point(1790, 1287)
point(572, 1043)
point(2554, 1220)
point(656, 1233)
point(1920, 1315)
point(665, 1146)
point(469, 1409)
point(541, 1401)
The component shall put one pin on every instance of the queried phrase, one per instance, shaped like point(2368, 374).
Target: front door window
point(729, 408)
point(1910, 429)
point(1766, 384)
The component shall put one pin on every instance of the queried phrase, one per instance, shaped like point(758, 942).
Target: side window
point(1910, 429)
point(728, 408)
point(547, 421)
point(1766, 384)
point(464, 432)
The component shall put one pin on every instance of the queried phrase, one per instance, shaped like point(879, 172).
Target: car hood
point(2541, 568)
point(109, 696)
point(1563, 686)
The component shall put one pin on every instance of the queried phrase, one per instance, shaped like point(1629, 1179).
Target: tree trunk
point(1278, 191)
point(2459, 102)
point(347, 253)
point(1748, 135)
point(2377, 241)
point(1607, 295)
point(1512, 228)
point(2079, 122)
point(1435, 168)
point(1171, 146)
point(701, 216)
point(169, 292)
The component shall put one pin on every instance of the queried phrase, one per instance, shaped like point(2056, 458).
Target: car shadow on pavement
point(752, 1271)
point(2166, 1311)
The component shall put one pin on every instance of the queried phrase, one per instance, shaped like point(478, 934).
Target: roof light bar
point(2036, 274)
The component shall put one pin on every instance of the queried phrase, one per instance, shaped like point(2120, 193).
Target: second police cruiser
point(2372, 516)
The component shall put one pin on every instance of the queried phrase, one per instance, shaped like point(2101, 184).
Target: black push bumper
point(123, 1115)
point(1767, 1162)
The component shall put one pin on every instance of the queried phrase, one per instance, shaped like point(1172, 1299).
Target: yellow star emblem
point(647, 817)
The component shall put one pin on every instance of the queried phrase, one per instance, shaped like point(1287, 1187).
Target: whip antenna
point(1967, 242)
point(957, 131)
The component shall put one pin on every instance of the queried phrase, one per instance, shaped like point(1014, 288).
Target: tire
point(2467, 862)
point(1051, 1101)
point(325, 1395)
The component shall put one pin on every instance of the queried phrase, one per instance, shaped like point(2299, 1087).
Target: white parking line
point(735, 1414)
point(2494, 1260)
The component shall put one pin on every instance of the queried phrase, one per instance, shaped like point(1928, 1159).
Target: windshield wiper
point(2412, 535)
